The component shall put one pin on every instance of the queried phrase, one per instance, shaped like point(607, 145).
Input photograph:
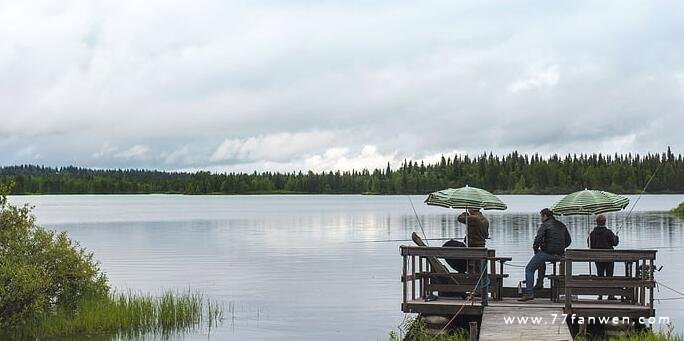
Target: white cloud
point(254, 84)
point(334, 158)
point(538, 78)
point(105, 150)
point(680, 78)
point(178, 156)
point(342, 159)
point(273, 147)
point(136, 152)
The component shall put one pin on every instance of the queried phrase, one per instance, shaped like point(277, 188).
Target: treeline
point(512, 173)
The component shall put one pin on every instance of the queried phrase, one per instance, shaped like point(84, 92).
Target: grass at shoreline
point(126, 315)
point(413, 329)
point(679, 210)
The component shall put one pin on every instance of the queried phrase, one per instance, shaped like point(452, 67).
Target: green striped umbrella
point(588, 202)
point(465, 197)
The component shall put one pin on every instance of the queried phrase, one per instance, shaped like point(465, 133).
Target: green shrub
point(413, 329)
point(41, 271)
point(679, 210)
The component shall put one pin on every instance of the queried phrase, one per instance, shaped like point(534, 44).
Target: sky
point(322, 85)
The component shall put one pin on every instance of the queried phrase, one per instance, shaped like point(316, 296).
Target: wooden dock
point(524, 323)
point(430, 288)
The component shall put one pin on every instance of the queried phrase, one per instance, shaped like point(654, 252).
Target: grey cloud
point(409, 79)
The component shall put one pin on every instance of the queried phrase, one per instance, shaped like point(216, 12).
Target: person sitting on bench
point(549, 246)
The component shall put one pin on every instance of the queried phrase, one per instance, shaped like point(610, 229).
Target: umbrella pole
point(589, 226)
point(466, 239)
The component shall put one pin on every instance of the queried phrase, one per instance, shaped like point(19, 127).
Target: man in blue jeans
point(549, 245)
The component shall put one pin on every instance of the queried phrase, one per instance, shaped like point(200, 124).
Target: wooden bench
point(635, 286)
point(423, 272)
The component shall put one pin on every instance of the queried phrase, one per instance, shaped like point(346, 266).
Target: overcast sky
point(289, 85)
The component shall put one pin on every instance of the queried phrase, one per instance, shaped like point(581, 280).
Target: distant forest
point(513, 173)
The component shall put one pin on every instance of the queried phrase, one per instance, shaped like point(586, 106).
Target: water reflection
point(311, 267)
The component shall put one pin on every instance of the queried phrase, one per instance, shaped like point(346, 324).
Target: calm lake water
point(310, 267)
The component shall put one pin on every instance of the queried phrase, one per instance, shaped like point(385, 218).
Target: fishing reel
point(648, 270)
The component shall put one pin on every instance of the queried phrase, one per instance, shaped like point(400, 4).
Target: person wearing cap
point(477, 227)
point(549, 246)
point(601, 237)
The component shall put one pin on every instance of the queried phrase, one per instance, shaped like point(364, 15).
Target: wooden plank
point(512, 292)
point(467, 253)
point(594, 255)
point(583, 307)
point(456, 276)
point(607, 282)
point(582, 303)
point(496, 327)
point(435, 264)
point(443, 307)
point(465, 287)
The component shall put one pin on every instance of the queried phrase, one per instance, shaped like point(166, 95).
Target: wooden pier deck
point(430, 288)
point(524, 323)
point(589, 307)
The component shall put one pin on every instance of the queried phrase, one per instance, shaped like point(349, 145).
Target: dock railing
point(635, 287)
point(423, 273)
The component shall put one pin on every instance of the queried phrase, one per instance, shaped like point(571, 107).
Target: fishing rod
point(420, 223)
point(422, 229)
point(396, 240)
point(617, 231)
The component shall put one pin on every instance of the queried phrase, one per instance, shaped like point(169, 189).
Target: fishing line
point(420, 223)
point(668, 299)
point(396, 240)
point(617, 231)
point(483, 270)
point(673, 289)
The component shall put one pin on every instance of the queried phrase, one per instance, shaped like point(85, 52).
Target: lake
point(314, 267)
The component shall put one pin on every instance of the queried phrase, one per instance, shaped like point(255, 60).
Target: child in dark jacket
point(603, 238)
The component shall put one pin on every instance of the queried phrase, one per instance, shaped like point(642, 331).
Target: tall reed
point(127, 315)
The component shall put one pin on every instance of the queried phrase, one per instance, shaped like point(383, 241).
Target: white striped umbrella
point(588, 202)
point(465, 197)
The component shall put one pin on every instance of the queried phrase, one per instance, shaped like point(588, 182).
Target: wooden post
point(642, 290)
point(652, 279)
point(562, 267)
point(473, 331)
point(413, 278)
point(628, 265)
point(420, 283)
point(629, 273)
point(484, 277)
point(492, 261)
point(428, 269)
point(405, 284)
point(568, 280)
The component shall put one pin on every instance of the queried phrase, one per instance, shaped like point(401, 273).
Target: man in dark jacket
point(603, 238)
point(549, 245)
point(477, 227)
